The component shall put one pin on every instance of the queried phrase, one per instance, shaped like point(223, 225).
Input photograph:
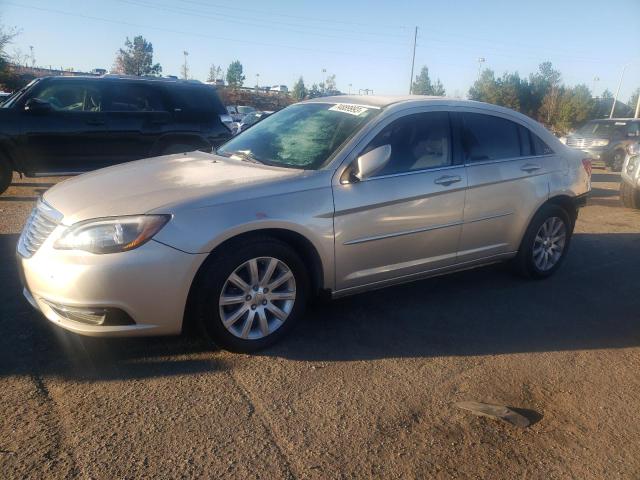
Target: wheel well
point(567, 204)
point(4, 155)
point(301, 245)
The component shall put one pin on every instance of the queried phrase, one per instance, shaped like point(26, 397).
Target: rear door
point(407, 218)
point(73, 135)
point(508, 170)
point(138, 115)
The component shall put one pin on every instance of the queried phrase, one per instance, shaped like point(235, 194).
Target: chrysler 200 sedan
point(337, 194)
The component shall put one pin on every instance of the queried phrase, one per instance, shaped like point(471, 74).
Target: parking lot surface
point(363, 388)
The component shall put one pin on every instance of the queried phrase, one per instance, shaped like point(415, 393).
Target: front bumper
point(149, 285)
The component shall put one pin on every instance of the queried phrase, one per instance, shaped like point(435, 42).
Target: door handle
point(447, 180)
point(530, 167)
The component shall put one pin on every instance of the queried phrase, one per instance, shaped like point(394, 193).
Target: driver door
point(406, 219)
point(71, 135)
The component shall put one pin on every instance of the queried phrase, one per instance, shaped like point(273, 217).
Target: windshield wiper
point(244, 155)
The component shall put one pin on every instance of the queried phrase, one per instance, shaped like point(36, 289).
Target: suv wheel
point(630, 196)
point(6, 174)
point(250, 296)
point(545, 243)
point(617, 160)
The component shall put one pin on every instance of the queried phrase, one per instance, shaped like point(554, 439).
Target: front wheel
point(630, 196)
point(252, 295)
point(545, 243)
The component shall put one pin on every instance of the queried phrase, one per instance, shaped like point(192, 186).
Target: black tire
point(617, 160)
point(179, 148)
point(6, 175)
point(213, 276)
point(630, 196)
point(524, 264)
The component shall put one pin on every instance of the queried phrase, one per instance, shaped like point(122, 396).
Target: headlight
point(600, 143)
point(109, 235)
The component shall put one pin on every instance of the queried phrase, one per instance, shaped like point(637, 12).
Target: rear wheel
point(545, 243)
point(630, 196)
point(250, 296)
point(617, 160)
point(6, 174)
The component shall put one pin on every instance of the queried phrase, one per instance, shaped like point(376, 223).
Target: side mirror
point(372, 162)
point(37, 106)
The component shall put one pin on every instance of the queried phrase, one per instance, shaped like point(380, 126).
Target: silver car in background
point(336, 194)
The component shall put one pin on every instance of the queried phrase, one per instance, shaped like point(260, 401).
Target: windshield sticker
point(349, 108)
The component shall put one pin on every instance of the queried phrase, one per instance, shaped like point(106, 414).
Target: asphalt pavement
point(365, 386)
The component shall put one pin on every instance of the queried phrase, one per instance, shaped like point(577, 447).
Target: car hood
point(160, 184)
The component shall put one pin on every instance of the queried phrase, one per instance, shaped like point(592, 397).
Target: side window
point(418, 142)
point(72, 97)
point(485, 137)
point(539, 147)
point(526, 149)
point(135, 98)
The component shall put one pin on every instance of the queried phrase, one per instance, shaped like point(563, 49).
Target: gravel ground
point(363, 388)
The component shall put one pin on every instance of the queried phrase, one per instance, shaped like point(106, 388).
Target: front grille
point(579, 142)
point(40, 224)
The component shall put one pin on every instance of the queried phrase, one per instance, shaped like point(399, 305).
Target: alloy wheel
point(257, 298)
point(549, 243)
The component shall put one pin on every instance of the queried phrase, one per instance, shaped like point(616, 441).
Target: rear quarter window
point(196, 99)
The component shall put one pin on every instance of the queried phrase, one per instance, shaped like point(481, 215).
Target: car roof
point(119, 78)
point(382, 101)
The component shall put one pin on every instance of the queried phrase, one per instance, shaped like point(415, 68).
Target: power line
point(332, 21)
point(202, 35)
point(256, 24)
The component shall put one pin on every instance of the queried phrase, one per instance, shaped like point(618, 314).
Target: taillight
point(586, 163)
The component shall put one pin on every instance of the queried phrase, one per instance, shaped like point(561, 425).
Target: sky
point(367, 44)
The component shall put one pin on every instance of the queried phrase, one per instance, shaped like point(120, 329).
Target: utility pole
point(33, 57)
point(413, 59)
point(637, 114)
point(185, 67)
point(615, 99)
point(481, 60)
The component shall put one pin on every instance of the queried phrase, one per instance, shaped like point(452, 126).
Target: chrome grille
point(40, 224)
point(579, 142)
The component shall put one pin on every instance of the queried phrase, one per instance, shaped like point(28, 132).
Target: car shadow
point(591, 303)
point(605, 177)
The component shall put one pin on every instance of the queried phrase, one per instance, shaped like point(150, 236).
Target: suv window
point(196, 99)
point(72, 96)
point(485, 137)
point(418, 142)
point(135, 98)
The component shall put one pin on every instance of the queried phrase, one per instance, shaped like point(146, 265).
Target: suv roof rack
point(149, 77)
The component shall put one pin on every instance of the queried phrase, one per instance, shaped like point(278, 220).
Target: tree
point(136, 58)
point(215, 72)
point(235, 78)
point(424, 86)
point(8, 79)
point(299, 91)
point(330, 83)
point(485, 88)
point(606, 94)
point(314, 91)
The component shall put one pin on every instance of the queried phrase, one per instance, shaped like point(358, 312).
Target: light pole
point(324, 79)
point(257, 81)
point(350, 89)
point(481, 60)
point(595, 79)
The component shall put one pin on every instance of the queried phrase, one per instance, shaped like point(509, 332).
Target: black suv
point(606, 140)
point(69, 125)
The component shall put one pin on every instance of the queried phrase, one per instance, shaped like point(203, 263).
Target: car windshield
point(604, 129)
point(300, 136)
